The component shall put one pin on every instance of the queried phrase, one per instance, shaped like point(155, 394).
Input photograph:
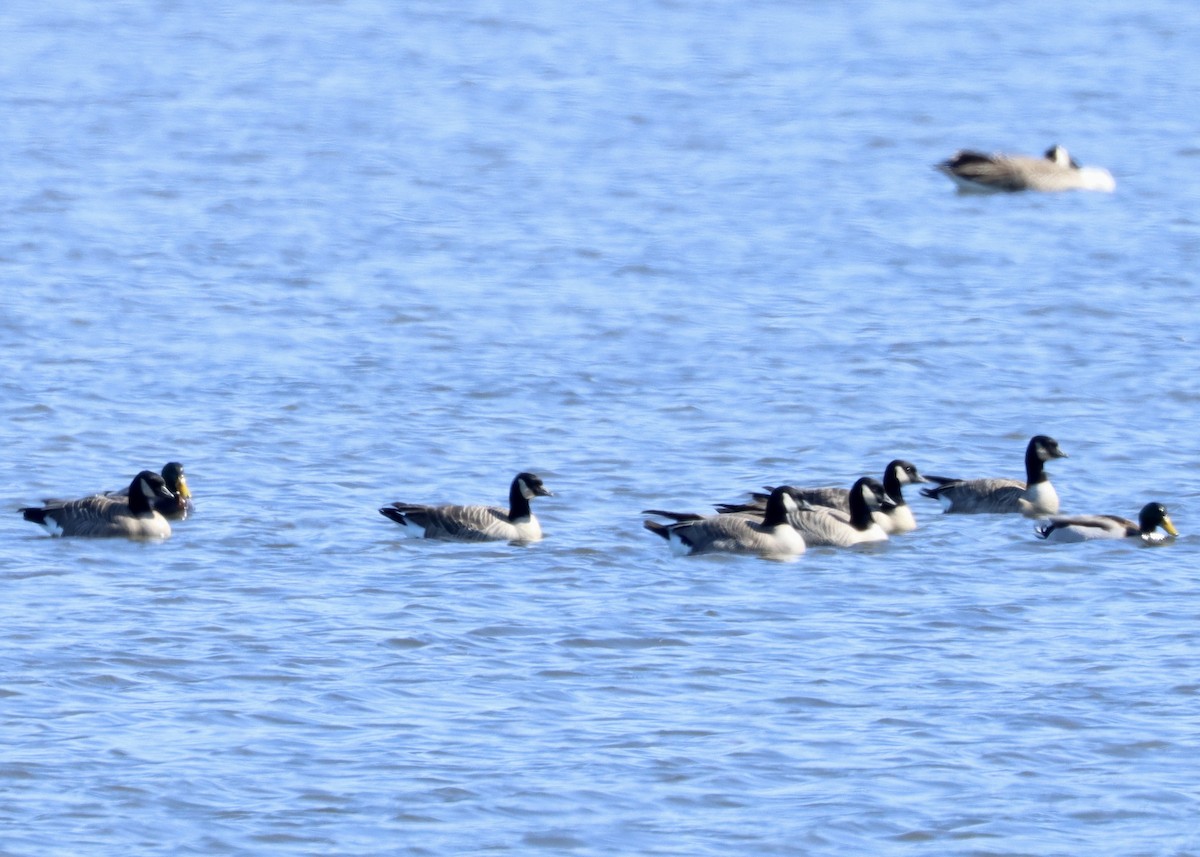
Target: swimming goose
point(1056, 170)
point(132, 516)
point(770, 534)
point(894, 514)
point(822, 525)
point(475, 523)
point(180, 505)
point(1082, 528)
point(897, 514)
point(1034, 498)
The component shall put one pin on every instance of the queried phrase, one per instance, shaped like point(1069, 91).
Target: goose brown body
point(893, 514)
point(1034, 498)
point(475, 523)
point(978, 172)
point(769, 533)
point(131, 516)
point(825, 525)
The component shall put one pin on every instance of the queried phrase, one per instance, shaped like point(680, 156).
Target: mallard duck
point(1082, 528)
point(1056, 170)
point(178, 507)
point(475, 523)
point(1034, 498)
point(768, 534)
point(132, 516)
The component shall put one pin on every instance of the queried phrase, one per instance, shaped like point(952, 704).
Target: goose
point(179, 506)
point(1056, 170)
point(769, 535)
point(894, 514)
point(822, 525)
point(827, 526)
point(1082, 528)
point(476, 523)
point(132, 516)
point(1034, 498)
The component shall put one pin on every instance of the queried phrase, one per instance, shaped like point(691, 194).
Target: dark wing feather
point(95, 516)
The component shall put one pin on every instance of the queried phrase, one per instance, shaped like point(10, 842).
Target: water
point(337, 254)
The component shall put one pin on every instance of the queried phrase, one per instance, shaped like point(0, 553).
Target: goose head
point(1046, 448)
point(530, 486)
point(145, 489)
point(1058, 155)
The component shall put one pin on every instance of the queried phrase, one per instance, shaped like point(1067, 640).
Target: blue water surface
point(335, 254)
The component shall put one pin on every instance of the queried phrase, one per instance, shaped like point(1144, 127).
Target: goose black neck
point(892, 486)
point(860, 510)
point(139, 504)
point(518, 503)
point(776, 512)
point(1035, 468)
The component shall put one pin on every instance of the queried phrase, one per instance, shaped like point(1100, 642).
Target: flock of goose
point(781, 523)
point(786, 521)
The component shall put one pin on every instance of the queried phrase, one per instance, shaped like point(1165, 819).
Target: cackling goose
point(894, 514)
point(980, 173)
point(822, 525)
point(1034, 498)
point(475, 523)
point(769, 534)
point(132, 516)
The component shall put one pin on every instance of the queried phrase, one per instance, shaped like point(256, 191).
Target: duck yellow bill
point(183, 489)
point(1168, 526)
